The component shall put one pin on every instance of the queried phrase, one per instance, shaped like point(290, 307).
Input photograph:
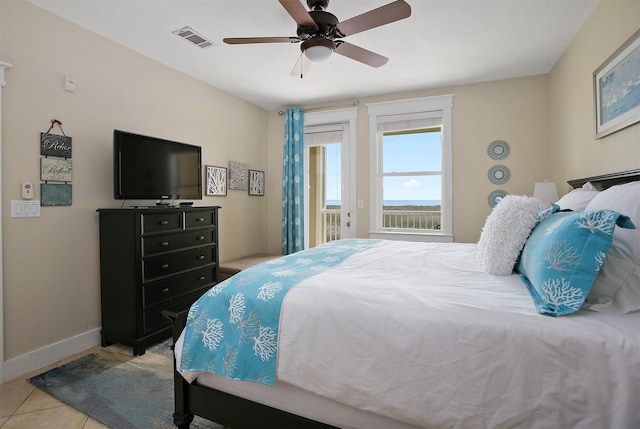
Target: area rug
point(119, 390)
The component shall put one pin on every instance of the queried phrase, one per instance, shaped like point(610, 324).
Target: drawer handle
point(200, 219)
point(163, 222)
point(201, 257)
point(164, 266)
point(165, 290)
point(164, 244)
point(201, 237)
point(201, 278)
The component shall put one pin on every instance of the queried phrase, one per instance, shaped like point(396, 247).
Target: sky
point(401, 153)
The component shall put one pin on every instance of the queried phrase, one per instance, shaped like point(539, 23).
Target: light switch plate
point(21, 208)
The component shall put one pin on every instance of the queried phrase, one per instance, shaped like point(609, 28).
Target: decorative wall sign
point(498, 149)
point(55, 194)
point(616, 89)
point(256, 182)
point(238, 176)
point(55, 145)
point(216, 180)
point(499, 174)
point(56, 169)
point(495, 197)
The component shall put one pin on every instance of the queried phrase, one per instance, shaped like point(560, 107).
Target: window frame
point(415, 109)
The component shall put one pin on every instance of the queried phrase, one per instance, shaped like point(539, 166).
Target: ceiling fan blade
point(299, 13)
point(387, 14)
point(302, 66)
point(360, 54)
point(244, 40)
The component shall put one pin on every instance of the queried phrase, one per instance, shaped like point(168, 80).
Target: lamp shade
point(546, 192)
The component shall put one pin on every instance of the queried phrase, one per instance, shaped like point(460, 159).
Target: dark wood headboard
point(607, 180)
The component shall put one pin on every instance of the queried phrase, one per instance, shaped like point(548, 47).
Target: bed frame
point(223, 408)
point(607, 180)
point(239, 413)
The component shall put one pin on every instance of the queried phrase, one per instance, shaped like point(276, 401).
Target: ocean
point(398, 202)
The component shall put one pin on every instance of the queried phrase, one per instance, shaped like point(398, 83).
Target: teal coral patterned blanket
point(232, 330)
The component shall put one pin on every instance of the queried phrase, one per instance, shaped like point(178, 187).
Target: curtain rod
point(354, 104)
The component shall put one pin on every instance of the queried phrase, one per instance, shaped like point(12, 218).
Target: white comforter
point(419, 333)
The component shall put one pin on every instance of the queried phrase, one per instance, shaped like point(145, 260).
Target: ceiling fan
point(320, 32)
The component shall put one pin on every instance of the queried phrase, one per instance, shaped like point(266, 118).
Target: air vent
point(192, 36)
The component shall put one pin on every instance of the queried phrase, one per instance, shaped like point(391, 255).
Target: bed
point(400, 335)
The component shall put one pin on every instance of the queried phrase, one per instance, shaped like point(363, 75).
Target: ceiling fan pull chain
point(300, 59)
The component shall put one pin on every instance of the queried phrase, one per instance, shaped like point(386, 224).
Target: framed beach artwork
point(216, 180)
point(617, 89)
point(256, 182)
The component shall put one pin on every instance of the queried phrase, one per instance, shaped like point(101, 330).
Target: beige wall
point(51, 267)
point(513, 110)
point(51, 272)
point(574, 152)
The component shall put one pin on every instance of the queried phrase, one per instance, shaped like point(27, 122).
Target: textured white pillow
point(578, 199)
point(617, 286)
point(505, 232)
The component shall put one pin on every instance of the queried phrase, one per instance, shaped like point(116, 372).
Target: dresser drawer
point(199, 219)
point(180, 284)
point(167, 221)
point(170, 263)
point(169, 242)
point(153, 318)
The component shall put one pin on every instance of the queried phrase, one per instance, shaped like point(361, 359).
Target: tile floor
point(22, 406)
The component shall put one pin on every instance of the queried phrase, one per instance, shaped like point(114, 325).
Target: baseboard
point(40, 358)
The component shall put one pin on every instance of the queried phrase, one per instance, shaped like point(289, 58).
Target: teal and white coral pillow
point(563, 256)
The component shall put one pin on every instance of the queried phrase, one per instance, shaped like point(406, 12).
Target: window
point(411, 169)
point(411, 176)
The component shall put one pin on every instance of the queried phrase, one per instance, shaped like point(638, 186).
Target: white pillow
point(578, 199)
point(505, 232)
point(617, 286)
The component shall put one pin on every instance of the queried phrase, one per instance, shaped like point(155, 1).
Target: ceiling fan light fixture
point(318, 53)
point(318, 48)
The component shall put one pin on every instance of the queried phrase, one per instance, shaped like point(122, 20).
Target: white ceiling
point(443, 43)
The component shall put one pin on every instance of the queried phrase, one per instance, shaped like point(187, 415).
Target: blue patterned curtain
point(292, 182)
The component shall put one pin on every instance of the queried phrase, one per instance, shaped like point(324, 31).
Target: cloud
point(413, 183)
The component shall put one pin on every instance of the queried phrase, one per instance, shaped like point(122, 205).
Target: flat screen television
point(150, 168)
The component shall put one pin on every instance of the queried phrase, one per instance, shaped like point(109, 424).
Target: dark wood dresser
point(153, 259)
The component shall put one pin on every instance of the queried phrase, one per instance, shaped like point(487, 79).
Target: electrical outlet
point(69, 84)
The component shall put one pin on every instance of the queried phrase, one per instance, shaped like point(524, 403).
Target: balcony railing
point(410, 219)
point(331, 222)
point(391, 219)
